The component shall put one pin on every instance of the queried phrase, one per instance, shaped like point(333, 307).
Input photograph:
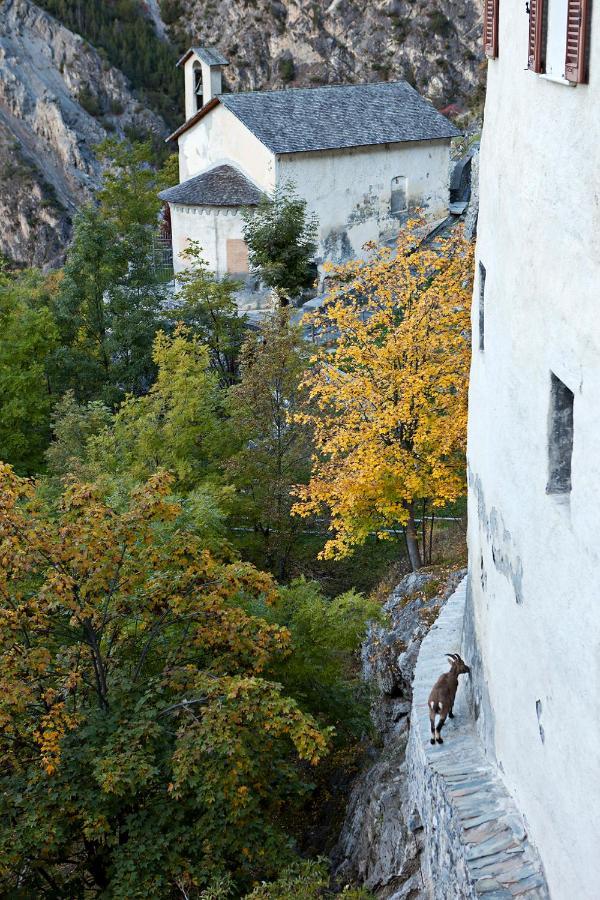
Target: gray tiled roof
point(221, 186)
point(327, 118)
point(207, 54)
point(210, 57)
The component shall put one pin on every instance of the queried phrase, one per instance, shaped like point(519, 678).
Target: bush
point(307, 880)
point(322, 673)
point(440, 23)
point(90, 102)
point(287, 69)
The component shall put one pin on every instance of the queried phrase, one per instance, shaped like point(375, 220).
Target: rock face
point(58, 98)
point(381, 840)
point(279, 43)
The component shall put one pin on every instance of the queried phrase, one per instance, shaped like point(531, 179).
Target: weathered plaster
point(539, 239)
point(350, 190)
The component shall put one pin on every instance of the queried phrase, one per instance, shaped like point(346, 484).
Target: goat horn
point(452, 655)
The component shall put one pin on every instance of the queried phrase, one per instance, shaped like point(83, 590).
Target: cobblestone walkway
point(476, 839)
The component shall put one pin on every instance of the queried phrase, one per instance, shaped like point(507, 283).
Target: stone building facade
point(532, 629)
point(361, 156)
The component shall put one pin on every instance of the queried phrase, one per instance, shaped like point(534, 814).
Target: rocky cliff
point(277, 43)
point(58, 99)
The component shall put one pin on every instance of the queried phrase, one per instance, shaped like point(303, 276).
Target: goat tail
point(435, 706)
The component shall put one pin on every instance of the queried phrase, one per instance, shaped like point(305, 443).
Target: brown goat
point(442, 696)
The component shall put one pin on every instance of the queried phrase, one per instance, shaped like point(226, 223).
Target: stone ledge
point(476, 845)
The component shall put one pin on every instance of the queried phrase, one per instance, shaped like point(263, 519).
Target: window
point(481, 306)
point(237, 256)
point(198, 90)
point(557, 38)
point(399, 195)
point(490, 28)
point(560, 437)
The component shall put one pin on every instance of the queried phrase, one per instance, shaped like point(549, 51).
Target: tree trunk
point(412, 540)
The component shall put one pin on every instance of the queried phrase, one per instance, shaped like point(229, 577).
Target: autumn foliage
point(142, 746)
point(389, 387)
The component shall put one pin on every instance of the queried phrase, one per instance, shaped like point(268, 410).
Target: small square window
point(560, 437)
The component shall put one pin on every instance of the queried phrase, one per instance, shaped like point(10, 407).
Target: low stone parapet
point(476, 843)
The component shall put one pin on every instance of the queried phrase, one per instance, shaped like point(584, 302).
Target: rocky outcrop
point(280, 43)
point(58, 99)
point(381, 840)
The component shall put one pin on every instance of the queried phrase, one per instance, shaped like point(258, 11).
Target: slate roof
point(206, 54)
point(221, 186)
point(329, 118)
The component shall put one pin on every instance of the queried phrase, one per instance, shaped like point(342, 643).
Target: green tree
point(178, 425)
point(128, 195)
point(209, 307)
point(73, 424)
point(322, 674)
point(109, 306)
point(28, 336)
point(144, 752)
point(275, 449)
point(281, 239)
point(107, 312)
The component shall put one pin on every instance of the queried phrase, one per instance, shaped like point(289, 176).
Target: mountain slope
point(58, 99)
point(436, 45)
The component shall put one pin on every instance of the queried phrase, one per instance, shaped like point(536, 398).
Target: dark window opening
point(399, 195)
point(481, 306)
point(198, 86)
point(560, 437)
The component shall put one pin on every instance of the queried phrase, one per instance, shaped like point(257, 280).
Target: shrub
point(89, 101)
point(287, 69)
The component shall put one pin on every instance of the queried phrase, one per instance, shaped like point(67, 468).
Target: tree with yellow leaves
point(389, 387)
point(145, 752)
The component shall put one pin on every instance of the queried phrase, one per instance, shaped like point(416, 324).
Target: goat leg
point(432, 714)
point(438, 731)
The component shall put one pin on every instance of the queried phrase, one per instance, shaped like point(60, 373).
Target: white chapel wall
point(212, 227)
point(350, 190)
point(220, 137)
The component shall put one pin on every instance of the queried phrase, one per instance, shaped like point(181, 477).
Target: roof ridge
point(320, 87)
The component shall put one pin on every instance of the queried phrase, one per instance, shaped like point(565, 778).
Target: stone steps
point(475, 838)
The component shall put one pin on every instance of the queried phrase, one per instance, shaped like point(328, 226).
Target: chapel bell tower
point(202, 68)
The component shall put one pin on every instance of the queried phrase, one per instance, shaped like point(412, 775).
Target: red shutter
point(536, 61)
point(577, 31)
point(490, 28)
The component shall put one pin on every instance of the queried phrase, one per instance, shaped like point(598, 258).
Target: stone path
point(476, 841)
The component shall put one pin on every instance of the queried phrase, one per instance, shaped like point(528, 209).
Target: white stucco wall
point(211, 226)
point(350, 190)
point(534, 557)
point(220, 137)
